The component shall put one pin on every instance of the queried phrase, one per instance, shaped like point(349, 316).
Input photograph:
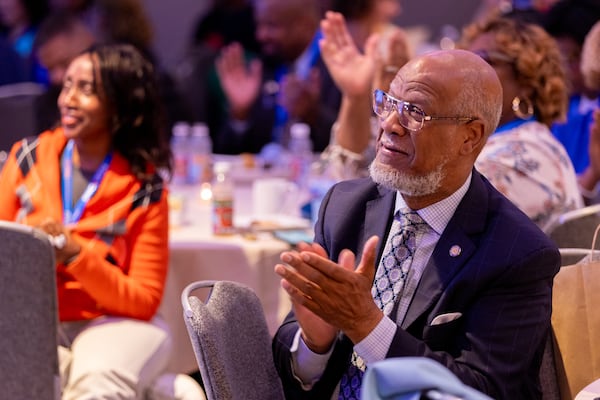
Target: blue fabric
point(511, 125)
point(281, 114)
point(404, 378)
point(303, 66)
point(575, 134)
point(12, 66)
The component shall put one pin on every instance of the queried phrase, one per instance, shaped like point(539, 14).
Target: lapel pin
point(455, 251)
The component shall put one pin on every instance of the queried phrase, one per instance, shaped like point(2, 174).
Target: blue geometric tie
point(387, 286)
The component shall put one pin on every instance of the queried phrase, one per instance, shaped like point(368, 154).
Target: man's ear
point(474, 137)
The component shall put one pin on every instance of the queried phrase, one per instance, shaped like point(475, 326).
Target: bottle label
point(180, 168)
point(199, 169)
point(222, 216)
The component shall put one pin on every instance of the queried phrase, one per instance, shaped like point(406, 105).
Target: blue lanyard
point(72, 214)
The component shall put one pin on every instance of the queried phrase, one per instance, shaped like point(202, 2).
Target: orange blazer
point(123, 231)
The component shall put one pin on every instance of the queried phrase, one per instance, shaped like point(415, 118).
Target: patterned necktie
point(387, 286)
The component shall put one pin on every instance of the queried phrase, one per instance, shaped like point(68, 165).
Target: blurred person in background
point(226, 22)
point(74, 6)
point(258, 99)
point(366, 17)
point(531, 11)
point(522, 158)
point(568, 22)
point(19, 22)
point(590, 71)
point(61, 37)
point(93, 185)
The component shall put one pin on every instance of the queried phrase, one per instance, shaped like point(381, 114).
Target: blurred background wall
point(173, 21)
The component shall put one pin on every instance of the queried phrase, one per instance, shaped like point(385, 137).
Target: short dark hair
point(55, 24)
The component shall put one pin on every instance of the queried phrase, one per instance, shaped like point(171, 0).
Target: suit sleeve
point(492, 347)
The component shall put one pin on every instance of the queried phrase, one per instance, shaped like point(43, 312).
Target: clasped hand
point(68, 247)
point(329, 297)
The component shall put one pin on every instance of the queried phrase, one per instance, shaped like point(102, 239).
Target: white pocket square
point(445, 318)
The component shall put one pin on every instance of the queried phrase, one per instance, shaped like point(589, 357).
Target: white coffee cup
point(274, 196)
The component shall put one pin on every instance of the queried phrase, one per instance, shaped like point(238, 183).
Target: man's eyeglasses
point(410, 116)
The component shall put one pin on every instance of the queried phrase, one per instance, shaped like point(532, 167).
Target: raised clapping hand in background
point(241, 83)
point(299, 96)
point(322, 290)
point(351, 70)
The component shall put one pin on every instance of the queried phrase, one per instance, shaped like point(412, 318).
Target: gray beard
point(415, 186)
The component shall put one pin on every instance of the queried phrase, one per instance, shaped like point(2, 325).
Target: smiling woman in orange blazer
point(93, 185)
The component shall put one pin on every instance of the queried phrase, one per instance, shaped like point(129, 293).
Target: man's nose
point(391, 124)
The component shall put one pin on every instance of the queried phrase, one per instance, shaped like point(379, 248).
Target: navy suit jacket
point(501, 282)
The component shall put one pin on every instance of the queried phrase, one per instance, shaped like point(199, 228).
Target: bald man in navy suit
point(477, 296)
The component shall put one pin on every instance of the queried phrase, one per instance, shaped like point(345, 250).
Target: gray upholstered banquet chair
point(574, 229)
point(231, 342)
point(18, 112)
point(28, 322)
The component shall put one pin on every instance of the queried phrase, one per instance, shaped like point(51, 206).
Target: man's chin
point(404, 183)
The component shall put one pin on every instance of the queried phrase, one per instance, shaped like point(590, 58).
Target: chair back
point(28, 309)
point(231, 342)
point(574, 229)
point(18, 112)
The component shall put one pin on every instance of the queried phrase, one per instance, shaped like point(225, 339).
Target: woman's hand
point(65, 245)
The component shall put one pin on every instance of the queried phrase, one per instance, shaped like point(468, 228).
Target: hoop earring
point(516, 107)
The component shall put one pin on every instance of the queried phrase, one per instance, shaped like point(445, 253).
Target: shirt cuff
point(307, 366)
point(376, 345)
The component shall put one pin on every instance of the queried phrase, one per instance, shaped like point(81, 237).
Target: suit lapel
point(444, 264)
point(379, 213)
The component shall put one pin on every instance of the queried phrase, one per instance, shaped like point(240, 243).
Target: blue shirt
point(575, 133)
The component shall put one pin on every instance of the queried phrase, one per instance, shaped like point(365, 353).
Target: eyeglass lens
point(409, 116)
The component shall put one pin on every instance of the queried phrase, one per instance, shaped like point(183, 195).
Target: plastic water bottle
point(300, 148)
point(222, 199)
point(180, 148)
point(200, 147)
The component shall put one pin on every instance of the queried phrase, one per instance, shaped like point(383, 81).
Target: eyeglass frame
point(397, 103)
